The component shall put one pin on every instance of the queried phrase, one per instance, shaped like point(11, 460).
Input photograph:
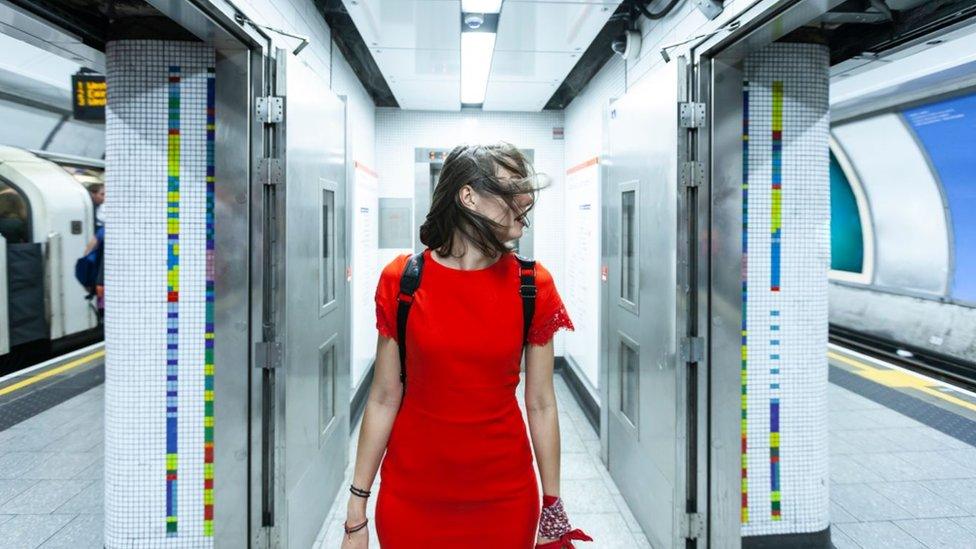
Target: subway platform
point(902, 447)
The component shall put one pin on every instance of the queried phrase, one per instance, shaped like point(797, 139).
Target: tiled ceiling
point(417, 46)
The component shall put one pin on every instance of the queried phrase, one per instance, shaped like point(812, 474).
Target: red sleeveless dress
point(459, 471)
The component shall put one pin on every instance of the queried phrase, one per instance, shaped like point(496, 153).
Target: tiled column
point(786, 254)
point(159, 295)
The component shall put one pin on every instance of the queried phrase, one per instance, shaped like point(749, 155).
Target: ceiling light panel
point(476, 51)
point(481, 6)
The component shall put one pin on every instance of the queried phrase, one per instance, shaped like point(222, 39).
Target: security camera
point(474, 20)
point(627, 45)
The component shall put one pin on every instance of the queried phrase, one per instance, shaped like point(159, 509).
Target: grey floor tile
point(608, 531)
point(62, 465)
point(918, 500)
point(837, 446)
point(962, 493)
point(918, 439)
point(587, 496)
point(629, 519)
point(869, 441)
point(608, 480)
point(935, 466)
point(866, 504)
point(843, 469)
point(89, 501)
point(840, 540)
point(938, 533)
point(43, 497)
point(878, 535)
point(95, 471)
point(886, 417)
point(12, 487)
point(969, 523)
point(84, 532)
point(577, 466)
point(14, 464)
point(76, 441)
point(30, 531)
point(965, 457)
point(5, 518)
point(890, 467)
point(839, 515)
point(844, 420)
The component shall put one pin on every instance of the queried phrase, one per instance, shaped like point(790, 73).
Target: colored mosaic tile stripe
point(743, 433)
point(776, 221)
point(208, 363)
point(173, 296)
point(776, 230)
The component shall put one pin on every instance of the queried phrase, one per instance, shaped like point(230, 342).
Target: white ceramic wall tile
point(159, 301)
point(787, 192)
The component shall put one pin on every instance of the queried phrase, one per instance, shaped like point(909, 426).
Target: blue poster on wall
point(947, 131)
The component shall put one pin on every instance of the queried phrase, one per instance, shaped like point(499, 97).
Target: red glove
point(554, 523)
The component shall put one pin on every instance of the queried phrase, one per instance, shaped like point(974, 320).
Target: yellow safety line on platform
point(899, 379)
point(52, 372)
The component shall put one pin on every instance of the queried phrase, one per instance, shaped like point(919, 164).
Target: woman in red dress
point(458, 470)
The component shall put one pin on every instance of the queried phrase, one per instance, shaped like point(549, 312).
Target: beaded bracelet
point(359, 491)
point(553, 523)
point(356, 528)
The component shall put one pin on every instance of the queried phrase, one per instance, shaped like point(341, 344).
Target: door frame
point(719, 252)
point(242, 70)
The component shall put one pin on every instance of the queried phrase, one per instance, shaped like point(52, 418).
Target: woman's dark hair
point(478, 166)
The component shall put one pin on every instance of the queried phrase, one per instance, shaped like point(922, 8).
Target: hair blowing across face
point(484, 168)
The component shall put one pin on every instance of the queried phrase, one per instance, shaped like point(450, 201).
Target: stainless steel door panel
point(643, 457)
point(311, 446)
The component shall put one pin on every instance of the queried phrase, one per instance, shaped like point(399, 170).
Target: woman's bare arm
point(543, 415)
point(382, 405)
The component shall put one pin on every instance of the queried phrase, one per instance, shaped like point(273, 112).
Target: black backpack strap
point(528, 291)
point(409, 282)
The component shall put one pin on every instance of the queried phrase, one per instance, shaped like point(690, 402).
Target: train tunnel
point(717, 290)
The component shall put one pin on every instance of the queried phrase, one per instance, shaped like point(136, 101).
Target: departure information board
point(89, 96)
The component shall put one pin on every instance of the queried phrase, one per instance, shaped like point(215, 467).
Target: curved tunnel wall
point(917, 173)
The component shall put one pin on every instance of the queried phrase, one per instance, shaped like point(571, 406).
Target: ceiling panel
point(417, 46)
point(427, 24)
point(551, 26)
point(519, 66)
point(428, 95)
point(518, 96)
point(405, 64)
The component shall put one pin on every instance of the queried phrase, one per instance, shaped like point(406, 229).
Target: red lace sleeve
point(550, 313)
point(387, 290)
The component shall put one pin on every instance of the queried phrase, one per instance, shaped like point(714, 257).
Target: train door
point(646, 394)
point(311, 396)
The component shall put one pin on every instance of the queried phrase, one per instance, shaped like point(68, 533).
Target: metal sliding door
point(312, 381)
point(645, 395)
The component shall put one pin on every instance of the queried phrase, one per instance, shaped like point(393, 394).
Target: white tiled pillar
point(159, 295)
point(786, 198)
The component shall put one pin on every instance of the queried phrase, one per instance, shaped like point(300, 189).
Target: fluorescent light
point(476, 51)
point(481, 6)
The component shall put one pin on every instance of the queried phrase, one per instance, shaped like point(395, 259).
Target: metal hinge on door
point(270, 171)
point(694, 526)
point(692, 173)
point(267, 355)
point(692, 115)
point(692, 349)
point(269, 109)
